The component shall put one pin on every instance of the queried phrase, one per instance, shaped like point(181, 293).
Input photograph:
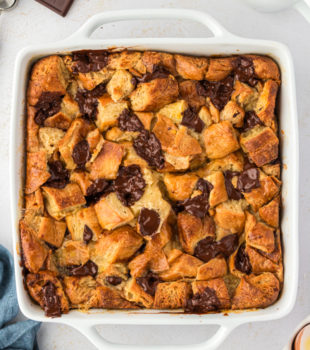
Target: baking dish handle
point(100, 343)
point(125, 15)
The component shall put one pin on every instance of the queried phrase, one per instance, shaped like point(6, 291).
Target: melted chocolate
point(90, 268)
point(208, 248)
point(129, 184)
point(51, 300)
point(248, 163)
point(232, 192)
point(250, 120)
point(48, 104)
point(114, 280)
point(242, 260)
point(149, 221)
point(89, 61)
point(198, 205)
point(218, 91)
point(88, 101)
point(157, 73)
point(128, 121)
point(97, 189)
point(59, 175)
point(148, 283)
point(204, 302)
point(192, 120)
point(244, 70)
point(148, 147)
point(81, 153)
point(248, 180)
point(87, 234)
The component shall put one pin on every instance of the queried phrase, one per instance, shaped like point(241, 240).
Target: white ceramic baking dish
point(221, 43)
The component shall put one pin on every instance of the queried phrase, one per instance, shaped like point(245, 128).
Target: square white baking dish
point(222, 43)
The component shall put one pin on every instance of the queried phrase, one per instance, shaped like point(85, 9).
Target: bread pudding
point(152, 182)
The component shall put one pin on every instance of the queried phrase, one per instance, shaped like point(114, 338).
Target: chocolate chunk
point(244, 70)
point(204, 302)
point(242, 260)
point(90, 268)
point(129, 184)
point(88, 101)
point(128, 121)
point(248, 180)
point(114, 280)
point(218, 91)
point(232, 192)
point(87, 234)
point(208, 248)
point(97, 189)
point(148, 283)
point(149, 221)
point(198, 205)
point(61, 7)
point(248, 163)
point(157, 73)
point(81, 153)
point(148, 147)
point(250, 120)
point(89, 61)
point(191, 120)
point(48, 104)
point(51, 300)
point(59, 175)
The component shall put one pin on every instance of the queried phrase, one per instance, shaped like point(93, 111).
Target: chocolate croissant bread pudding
point(152, 181)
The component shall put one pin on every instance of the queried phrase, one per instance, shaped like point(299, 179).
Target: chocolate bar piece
point(59, 6)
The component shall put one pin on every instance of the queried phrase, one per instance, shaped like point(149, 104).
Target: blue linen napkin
point(19, 335)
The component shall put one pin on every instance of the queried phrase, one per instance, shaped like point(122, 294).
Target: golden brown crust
point(188, 92)
point(268, 188)
point(52, 231)
point(184, 266)
point(81, 291)
point(154, 95)
point(256, 291)
point(265, 67)
point(34, 252)
point(37, 173)
point(119, 245)
point(62, 202)
point(48, 75)
point(77, 222)
point(152, 58)
point(112, 213)
point(266, 104)
point(230, 216)
point(214, 268)
point(180, 187)
point(192, 229)
point(189, 67)
point(259, 235)
point(219, 286)
point(107, 162)
point(202, 210)
point(171, 295)
point(219, 68)
point(270, 212)
point(262, 145)
point(220, 139)
point(36, 281)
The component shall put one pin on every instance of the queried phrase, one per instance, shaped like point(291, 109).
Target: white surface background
point(30, 23)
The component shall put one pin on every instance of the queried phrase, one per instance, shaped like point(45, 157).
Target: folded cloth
point(19, 335)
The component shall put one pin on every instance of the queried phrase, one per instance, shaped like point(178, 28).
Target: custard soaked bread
point(152, 181)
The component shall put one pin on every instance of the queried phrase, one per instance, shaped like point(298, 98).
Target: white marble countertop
point(30, 23)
